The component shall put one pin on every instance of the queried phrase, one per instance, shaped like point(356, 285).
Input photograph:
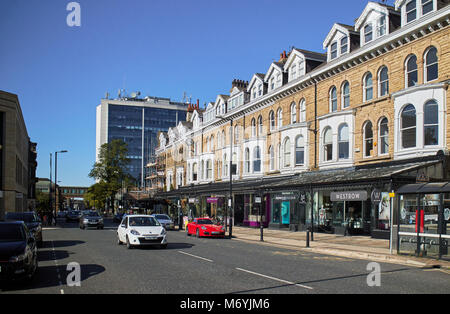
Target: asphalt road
point(204, 266)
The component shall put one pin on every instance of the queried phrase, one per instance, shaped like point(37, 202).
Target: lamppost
point(230, 201)
point(56, 179)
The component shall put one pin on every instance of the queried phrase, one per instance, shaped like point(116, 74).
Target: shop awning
point(425, 188)
point(352, 176)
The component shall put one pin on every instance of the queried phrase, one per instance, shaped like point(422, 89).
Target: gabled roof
point(373, 6)
point(273, 66)
point(347, 29)
point(304, 54)
point(256, 76)
point(399, 3)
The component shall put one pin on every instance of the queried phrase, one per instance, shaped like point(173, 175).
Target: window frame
point(367, 88)
point(427, 66)
point(383, 138)
point(408, 72)
point(333, 99)
point(343, 141)
point(402, 129)
point(367, 139)
point(345, 96)
point(299, 148)
point(381, 81)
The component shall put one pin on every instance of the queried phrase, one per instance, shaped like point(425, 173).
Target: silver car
point(165, 221)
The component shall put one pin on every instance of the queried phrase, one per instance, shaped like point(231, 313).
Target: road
point(204, 266)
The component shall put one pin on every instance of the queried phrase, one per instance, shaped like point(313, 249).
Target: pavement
point(358, 247)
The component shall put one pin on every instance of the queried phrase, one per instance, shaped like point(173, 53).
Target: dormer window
point(293, 71)
point(334, 50)
point(411, 11)
point(382, 26)
point(344, 45)
point(259, 89)
point(301, 68)
point(368, 33)
point(427, 6)
point(254, 92)
point(272, 83)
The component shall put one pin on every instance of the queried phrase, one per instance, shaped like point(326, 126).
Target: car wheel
point(128, 244)
point(118, 240)
point(163, 246)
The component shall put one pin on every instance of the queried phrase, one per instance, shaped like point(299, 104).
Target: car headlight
point(134, 232)
point(100, 220)
point(203, 228)
point(85, 221)
point(163, 231)
point(16, 259)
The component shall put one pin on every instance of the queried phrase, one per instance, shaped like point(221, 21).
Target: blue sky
point(159, 47)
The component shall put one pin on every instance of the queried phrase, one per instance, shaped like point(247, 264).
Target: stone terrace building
point(17, 158)
point(311, 139)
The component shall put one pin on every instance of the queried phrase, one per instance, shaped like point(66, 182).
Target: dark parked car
point(31, 220)
point(74, 215)
point(61, 214)
point(91, 219)
point(18, 252)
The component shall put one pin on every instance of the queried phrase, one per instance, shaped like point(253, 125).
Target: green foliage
point(110, 169)
point(42, 202)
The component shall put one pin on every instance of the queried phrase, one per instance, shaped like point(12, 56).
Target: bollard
point(307, 238)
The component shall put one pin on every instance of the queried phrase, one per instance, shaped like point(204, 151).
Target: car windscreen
point(162, 217)
point(143, 222)
point(25, 217)
point(204, 222)
point(92, 214)
point(11, 233)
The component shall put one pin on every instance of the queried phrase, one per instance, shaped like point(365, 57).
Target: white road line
point(276, 279)
point(57, 268)
point(62, 291)
point(205, 259)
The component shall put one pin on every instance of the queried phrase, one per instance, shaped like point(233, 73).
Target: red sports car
point(204, 227)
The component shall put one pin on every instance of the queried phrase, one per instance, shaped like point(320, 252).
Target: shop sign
point(212, 200)
point(19, 195)
point(286, 197)
point(302, 198)
point(376, 196)
point(348, 196)
point(422, 176)
point(258, 199)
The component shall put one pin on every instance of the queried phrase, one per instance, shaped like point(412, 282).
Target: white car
point(141, 230)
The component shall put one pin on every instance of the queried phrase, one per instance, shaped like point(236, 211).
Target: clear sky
point(159, 47)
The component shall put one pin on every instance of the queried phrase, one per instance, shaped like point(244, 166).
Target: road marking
point(205, 259)
point(57, 267)
point(62, 291)
point(276, 279)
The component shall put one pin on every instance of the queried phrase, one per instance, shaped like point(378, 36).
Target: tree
point(96, 195)
point(110, 169)
point(42, 202)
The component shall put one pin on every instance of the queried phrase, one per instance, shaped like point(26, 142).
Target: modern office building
point(137, 122)
point(17, 158)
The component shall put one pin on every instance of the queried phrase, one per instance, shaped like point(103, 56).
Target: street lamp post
point(56, 179)
point(230, 201)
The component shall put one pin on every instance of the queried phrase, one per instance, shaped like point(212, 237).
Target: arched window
point(327, 144)
point(293, 113)
point(208, 144)
point(368, 87)
point(223, 139)
point(383, 136)
point(234, 164)
point(431, 64)
point(260, 126)
point(302, 110)
point(333, 99)
point(272, 121)
point(280, 118)
point(247, 160)
point(411, 71)
point(208, 170)
point(219, 144)
point(253, 127)
point(203, 172)
point(279, 156)
point(368, 139)
point(408, 126)
point(271, 158)
point(257, 159)
point(345, 101)
point(299, 150)
point(236, 134)
point(212, 143)
point(194, 172)
point(431, 123)
point(383, 81)
point(343, 141)
point(287, 152)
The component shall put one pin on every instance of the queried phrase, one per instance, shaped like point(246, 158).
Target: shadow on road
point(47, 277)
point(44, 256)
point(170, 246)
